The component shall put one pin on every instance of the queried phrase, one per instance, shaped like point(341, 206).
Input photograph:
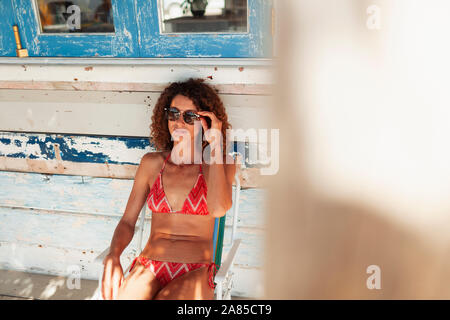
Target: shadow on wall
point(364, 175)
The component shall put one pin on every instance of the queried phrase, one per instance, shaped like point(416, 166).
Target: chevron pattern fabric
point(166, 271)
point(195, 203)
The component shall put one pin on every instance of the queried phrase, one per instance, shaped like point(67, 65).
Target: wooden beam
point(241, 89)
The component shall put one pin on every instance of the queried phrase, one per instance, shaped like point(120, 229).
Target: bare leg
point(192, 285)
point(140, 284)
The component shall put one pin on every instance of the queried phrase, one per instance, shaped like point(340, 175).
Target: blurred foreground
point(364, 179)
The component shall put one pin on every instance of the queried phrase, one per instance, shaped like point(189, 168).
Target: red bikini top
point(195, 203)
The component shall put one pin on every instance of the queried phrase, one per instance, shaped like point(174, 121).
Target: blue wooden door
point(137, 32)
point(254, 43)
point(122, 42)
point(7, 43)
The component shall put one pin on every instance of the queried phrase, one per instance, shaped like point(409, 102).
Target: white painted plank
point(248, 282)
point(22, 256)
point(96, 196)
point(102, 113)
point(156, 74)
point(242, 89)
point(88, 233)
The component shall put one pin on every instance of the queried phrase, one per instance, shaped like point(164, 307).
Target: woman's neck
point(186, 162)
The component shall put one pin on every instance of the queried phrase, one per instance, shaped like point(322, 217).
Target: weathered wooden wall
point(68, 158)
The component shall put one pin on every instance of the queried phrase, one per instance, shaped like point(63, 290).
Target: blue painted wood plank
point(74, 148)
point(7, 18)
point(89, 149)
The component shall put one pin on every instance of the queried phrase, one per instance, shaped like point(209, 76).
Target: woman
point(177, 261)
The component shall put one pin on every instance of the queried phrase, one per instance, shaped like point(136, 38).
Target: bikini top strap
point(164, 164)
point(200, 168)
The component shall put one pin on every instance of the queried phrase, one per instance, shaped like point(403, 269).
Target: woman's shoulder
point(154, 159)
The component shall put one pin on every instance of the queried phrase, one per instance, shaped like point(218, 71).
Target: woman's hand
point(215, 123)
point(112, 277)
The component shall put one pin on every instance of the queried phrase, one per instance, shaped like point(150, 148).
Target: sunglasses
point(189, 116)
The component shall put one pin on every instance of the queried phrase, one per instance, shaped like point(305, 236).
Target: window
point(223, 16)
point(158, 42)
point(49, 28)
point(60, 16)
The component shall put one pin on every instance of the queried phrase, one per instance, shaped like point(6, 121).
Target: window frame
point(160, 20)
point(256, 43)
point(121, 43)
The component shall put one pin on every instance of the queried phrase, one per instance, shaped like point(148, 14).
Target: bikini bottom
point(166, 271)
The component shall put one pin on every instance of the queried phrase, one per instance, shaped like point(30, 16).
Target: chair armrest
point(140, 229)
point(225, 267)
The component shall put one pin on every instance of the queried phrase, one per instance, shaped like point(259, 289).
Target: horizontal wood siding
point(70, 147)
point(69, 220)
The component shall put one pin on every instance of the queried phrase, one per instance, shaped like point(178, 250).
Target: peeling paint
point(114, 150)
point(87, 156)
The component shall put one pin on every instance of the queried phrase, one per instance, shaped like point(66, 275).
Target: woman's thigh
point(140, 284)
point(192, 285)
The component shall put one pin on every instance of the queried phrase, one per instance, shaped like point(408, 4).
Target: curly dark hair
point(204, 97)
